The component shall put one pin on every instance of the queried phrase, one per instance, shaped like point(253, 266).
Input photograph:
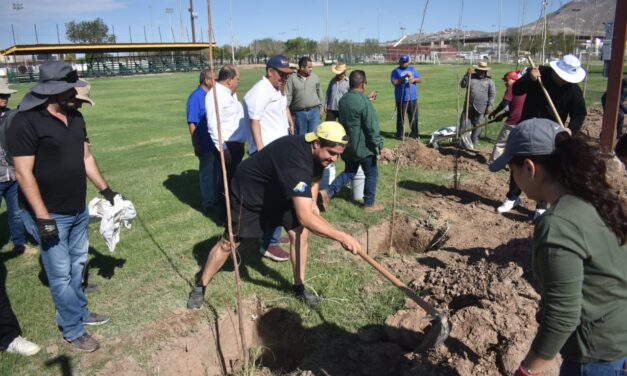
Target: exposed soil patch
point(415, 153)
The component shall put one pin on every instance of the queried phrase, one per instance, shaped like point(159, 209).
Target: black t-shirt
point(279, 172)
point(59, 156)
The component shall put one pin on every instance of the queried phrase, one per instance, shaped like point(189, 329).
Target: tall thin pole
point(160, 38)
point(181, 27)
point(238, 287)
point(326, 34)
point(130, 33)
point(145, 36)
point(36, 36)
point(231, 30)
point(192, 15)
point(544, 30)
point(58, 37)
point(498, 58)
point(13, 32)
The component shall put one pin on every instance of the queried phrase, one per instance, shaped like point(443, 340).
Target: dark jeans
point(409, 107)
point(9, 326)
point(369, 166)
point(332, 115)
point(514, 192)
point(8, 190)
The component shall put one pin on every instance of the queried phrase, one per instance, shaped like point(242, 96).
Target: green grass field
point(139, 136)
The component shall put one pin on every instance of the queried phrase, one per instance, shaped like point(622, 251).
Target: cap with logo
point(280, 63)
point(330, 131)
point(404, 59)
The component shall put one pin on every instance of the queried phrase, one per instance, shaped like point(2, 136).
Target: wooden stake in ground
point(240, 313)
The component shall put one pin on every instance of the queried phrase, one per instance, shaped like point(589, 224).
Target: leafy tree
point(242, 53)
point(263, 48)
point(295, 47)
point(372, 46)
point(93, 32)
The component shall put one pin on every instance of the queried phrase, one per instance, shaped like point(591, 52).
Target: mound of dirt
point(592, 124)
point(414, 153)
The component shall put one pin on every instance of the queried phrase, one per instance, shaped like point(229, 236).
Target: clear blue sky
point(256, 19)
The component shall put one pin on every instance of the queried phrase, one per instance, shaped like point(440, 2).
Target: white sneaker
point(22, 346)
point(508, 205)
point(538, 213)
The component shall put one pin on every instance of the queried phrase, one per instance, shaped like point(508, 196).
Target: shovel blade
point(437, 334)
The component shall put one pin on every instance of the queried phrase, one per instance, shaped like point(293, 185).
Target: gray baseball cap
point(531, 137)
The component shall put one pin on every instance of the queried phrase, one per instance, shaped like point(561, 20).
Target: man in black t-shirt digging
point(278, 186)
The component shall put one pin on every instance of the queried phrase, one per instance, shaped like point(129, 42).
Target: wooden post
point(610, 113)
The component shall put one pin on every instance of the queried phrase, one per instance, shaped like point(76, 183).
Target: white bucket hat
point(569, 69)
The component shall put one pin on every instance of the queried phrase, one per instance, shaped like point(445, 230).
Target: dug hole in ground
point(462, 256)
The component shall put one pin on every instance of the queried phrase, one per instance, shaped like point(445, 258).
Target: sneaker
point(196, 298)
point(324, 199)
point(374, 208)
point(284, 240)
point(275, 252)
point(22, 346)
point(508, 205)
point(537, 214)
point(90, 288)
point(301, 294)
point(95, 319)
point(85, 343)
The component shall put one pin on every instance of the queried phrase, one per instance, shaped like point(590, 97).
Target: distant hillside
point(588, 14)
point(590, 17)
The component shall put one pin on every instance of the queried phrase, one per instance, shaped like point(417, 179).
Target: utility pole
point(500, 19)
point(192, 15)
point(544, 30)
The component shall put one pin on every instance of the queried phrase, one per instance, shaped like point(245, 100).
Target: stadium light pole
point(18, 7)
point(169, 12)
point(500, 19)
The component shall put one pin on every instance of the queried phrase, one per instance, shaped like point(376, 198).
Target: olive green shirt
point(303, 92)
point(582, 269)
point(358, 117)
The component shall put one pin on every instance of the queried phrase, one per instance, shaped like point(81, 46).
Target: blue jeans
point(369, 166)
point(614, 368)
point(9, 189)
point(306, 121)
point(64, 261)
point(209, 174)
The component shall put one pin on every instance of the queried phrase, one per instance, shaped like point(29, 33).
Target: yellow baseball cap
point(330, 131)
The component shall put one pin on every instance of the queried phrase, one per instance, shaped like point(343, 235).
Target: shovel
point(440, 327)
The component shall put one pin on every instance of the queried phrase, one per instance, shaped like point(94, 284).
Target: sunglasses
point(5, 96)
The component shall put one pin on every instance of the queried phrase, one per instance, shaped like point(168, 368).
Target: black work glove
point(47, 229)
point(108, 194)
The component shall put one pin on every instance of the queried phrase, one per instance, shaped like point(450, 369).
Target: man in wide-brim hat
point(50, 148)
point(338, 86)
point(482, 94)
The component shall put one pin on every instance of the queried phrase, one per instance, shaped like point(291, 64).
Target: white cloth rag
point(112, 216)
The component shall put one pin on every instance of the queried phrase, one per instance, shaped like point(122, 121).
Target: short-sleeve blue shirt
point(197, 114)
point(403, 91)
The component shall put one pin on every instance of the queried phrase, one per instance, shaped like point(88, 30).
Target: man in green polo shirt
point(358, 117)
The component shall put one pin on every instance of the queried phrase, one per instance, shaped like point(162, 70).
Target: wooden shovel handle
point(409, 292)
point(556, 115)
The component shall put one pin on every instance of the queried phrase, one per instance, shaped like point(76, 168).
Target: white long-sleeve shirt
point(234, 126)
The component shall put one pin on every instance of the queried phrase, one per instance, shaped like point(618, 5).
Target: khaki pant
point(501, 140)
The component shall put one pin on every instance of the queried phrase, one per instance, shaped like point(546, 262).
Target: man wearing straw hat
point(338, 86)
point(271, 190)
point(482, 94)
point(49, 144)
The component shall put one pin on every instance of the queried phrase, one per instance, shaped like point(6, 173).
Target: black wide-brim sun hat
point(56, 77)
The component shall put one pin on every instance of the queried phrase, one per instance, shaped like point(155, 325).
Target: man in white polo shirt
point(266, 108)
point(232, 123)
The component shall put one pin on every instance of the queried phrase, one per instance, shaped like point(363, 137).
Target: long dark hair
point(578, 166)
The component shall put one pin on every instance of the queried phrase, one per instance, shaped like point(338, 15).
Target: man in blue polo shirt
point(208, 164)
point(404, 78)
